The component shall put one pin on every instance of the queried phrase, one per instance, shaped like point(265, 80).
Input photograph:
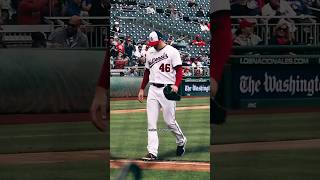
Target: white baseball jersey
point(161, 64)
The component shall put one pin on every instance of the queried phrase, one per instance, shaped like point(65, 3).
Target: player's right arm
point(143, 85)
point(145, 81)
point(221, 41)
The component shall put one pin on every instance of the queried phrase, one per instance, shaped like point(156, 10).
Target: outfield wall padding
point(125, 87)
point(48, 81)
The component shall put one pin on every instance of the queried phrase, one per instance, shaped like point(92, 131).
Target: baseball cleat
point(181, 149)
point(149, 157)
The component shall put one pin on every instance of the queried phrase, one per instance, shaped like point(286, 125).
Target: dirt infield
point(143, 110)
point(164, 165)
point(73, 156)
point(53, 157)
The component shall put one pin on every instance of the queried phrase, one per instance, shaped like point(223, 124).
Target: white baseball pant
point(155, 101)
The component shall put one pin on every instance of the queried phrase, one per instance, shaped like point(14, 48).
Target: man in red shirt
point(198, 41)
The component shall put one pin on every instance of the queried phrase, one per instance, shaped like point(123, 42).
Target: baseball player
point(220, 48)
point(163, 67)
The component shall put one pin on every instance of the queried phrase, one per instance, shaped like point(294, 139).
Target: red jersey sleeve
point(104, 72)
point(145, 79)
point(221, 43)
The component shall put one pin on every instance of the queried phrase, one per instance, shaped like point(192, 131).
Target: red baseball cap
point(154, 38)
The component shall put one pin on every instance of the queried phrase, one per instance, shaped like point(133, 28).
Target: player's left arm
point(177, 65)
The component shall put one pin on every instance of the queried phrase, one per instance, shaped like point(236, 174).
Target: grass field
point(51, 137)
point(129, 135)
point(293, 164)
point(81, 170)
point(165, 175)
point(275, 165)
point(48, 137)
point(268, 127)
point(134, 104)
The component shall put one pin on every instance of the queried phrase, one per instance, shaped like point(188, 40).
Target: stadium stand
point(303, 26)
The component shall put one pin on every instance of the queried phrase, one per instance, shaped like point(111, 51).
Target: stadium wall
point(48, 81)
point(272, 81)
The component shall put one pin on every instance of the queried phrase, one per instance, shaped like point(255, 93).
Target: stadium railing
point(307, 32)
point(95, 32)
point(21, 34)
point(203, 71)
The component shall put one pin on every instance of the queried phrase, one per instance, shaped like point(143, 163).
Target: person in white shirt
point(151, 9)
point(204, 27)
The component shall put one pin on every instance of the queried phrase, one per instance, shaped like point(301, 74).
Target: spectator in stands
point(200, 12)
point(175, 14)
point(278, 8)
point(70, 36)
point(129, 48)
point(38, 40)
point(186, 72)
point(180, 42)
point(141, 61)
point(192, 3)
point(169, 9)
point(31, 11)
point(114, 41)
point(283, 34)
point(170, 40)
point(151, 9)
point(138, 51)
point(120, 47)
point(140, 55)
point(246, 36)
point(116, 27)
point(85, 7)
point(120, 61)
point(198, 72)
point(187, 61)
point(196, 62)
point(132, 72)
point(198, 41)
point(245, 8)
point(72, 7)
point(4, 11)
point(204, 26)
point(299, 7)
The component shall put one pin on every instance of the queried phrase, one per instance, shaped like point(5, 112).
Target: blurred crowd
point(283, 26)
point(33, 11)
point(125, 52)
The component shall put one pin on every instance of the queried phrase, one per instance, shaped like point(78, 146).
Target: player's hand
point(174, 88)
point(98, 109)
point(141, 95)
point(214, 87)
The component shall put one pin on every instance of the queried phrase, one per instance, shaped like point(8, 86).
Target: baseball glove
point(170, 95)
